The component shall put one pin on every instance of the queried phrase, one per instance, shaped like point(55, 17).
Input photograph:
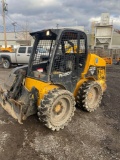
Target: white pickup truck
point(21, 56)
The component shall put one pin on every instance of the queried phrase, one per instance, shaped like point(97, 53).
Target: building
point(103, 34)
point(115, 40)
point(15, 39)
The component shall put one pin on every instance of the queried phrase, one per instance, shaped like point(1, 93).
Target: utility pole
point(4, 9)
point(26, 30)
point(14, 25)
point(57, 25)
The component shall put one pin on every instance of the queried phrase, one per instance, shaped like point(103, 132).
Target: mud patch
point(89, 136)
point(2, 122)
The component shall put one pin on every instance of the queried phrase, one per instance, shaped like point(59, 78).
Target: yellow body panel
point(43, 87)
point(93, 60)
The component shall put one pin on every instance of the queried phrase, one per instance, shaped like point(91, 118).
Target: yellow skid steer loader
point(53, 85)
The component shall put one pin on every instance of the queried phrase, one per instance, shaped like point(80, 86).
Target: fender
point(7, 57)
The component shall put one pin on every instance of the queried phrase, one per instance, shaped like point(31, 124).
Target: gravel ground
point(89, 136)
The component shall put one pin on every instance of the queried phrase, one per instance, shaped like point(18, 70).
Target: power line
point(17, 24)
point(12, 22)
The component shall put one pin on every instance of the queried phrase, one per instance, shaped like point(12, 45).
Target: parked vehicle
point(21, 56)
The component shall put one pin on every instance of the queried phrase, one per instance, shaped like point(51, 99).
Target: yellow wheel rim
point(90, 95)
point(57, 108)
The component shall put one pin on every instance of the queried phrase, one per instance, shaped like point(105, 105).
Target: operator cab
point(58, 55)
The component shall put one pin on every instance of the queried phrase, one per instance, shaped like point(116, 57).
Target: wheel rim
point(93, 97)
point(60, 111)
point(6, 64)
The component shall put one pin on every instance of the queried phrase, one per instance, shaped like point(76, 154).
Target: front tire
point(6, 63)
point(89, 96)
point(56, 109)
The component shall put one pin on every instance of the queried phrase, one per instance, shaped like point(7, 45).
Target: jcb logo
point(101, 73)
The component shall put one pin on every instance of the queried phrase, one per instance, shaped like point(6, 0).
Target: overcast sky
point(39, 14)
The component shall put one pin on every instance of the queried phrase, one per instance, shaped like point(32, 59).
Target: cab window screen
point(43, 51)
point(69, 43)
point(65, 57)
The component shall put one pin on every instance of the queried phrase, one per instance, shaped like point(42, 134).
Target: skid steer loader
point(54, 86)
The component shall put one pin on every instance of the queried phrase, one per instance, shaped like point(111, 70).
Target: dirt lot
point(89, 136)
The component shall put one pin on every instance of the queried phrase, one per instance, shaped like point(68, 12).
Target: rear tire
point(89, 96)
point(6, 63)
point(56, 109)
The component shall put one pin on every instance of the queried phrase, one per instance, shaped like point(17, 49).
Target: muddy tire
point(6, 63)
point(89, 96)
point(56, 109)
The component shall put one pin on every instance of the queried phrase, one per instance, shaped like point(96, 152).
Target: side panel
point(10, 56)
point(42, 87)
point(95, 69)
point(93, 60)
point(13, 57)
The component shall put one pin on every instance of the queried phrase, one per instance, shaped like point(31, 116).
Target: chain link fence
point(113, 53)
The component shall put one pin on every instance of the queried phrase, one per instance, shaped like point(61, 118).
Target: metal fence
point(114, 53)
